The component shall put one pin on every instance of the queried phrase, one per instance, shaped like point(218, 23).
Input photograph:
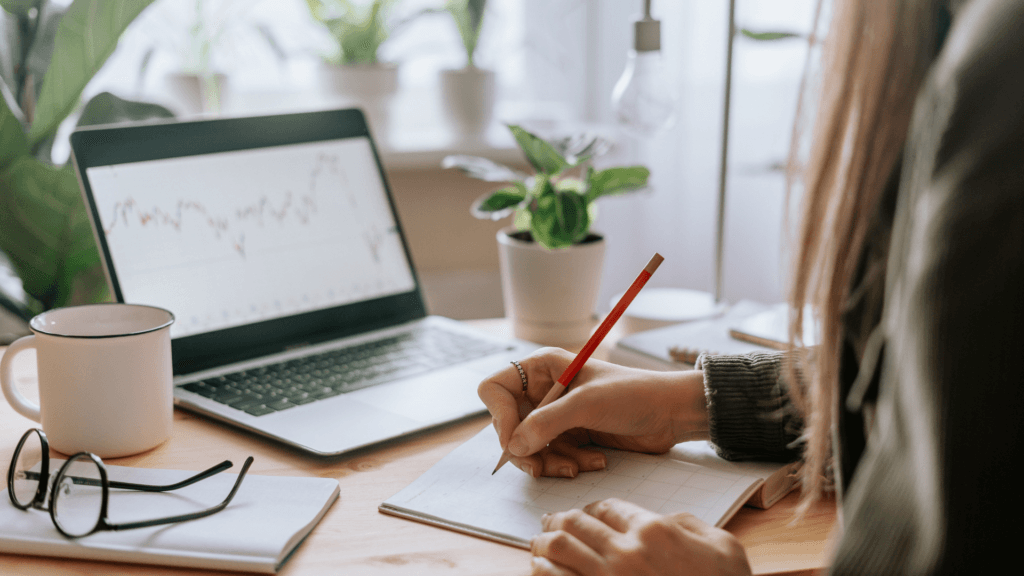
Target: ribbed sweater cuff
point(749, 412)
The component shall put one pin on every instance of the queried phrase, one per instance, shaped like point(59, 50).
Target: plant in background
point(469, 17)
point(555, 206)
point(358, 31)
point(203, 39)
point(49, 55)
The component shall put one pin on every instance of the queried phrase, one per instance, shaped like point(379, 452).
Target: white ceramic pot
point(550, 295)
point(195, 94)
point(468, 96)
point(372, 87)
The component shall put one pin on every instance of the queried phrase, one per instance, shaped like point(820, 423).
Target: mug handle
point(14, 396)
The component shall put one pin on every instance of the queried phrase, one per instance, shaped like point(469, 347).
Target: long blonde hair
point(875, 57)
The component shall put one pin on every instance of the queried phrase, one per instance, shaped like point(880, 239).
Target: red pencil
point(594, 341)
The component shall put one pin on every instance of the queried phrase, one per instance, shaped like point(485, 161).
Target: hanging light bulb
point(642, 100)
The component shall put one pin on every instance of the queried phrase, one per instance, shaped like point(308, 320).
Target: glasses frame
point(103, 522)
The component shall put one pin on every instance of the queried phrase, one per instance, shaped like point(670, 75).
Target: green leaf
point(468, 16)
point(541, 186)
point(580, 147)
point(574, 184)
point(482, 168)
point(18, 7)
point(87, 36)
point(541, 155)
point(47, 234)
point(13, 143)
point(522, 219)
point(767, 36)
point(105, 108)
point(358, 31)
point(500, 203)
point(560, 219)
point(26, 54)
point(615, 181)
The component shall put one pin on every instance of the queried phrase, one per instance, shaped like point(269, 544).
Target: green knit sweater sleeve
point(749, 410)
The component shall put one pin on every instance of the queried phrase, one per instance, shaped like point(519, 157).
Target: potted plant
point(468, 93)
point(550, 259)
point(46, 233)
point(199, 39)
point(354, 70)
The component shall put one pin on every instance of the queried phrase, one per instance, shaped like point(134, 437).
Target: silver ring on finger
point(522, 374)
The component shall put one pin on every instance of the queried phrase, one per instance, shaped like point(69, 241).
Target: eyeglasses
point(80, 491)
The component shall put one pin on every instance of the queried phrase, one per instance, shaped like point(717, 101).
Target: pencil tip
point(501, 462)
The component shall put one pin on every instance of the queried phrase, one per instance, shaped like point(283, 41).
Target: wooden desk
point(354, 538)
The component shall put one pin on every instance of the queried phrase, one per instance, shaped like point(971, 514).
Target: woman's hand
point(606, 404)
point(614, 537)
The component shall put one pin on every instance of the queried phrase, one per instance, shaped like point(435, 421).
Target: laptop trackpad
point(340, 424)
point(430, 399)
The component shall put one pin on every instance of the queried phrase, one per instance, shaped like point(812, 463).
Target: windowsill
point(418, 136)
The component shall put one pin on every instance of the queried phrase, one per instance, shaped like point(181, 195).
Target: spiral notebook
point(460, 493)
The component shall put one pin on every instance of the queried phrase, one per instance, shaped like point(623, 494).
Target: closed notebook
point(265, 522)
point(459, 493)
point(677, 347)
point(771, 328)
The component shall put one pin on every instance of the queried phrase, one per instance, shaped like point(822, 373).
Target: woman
point(912, 252)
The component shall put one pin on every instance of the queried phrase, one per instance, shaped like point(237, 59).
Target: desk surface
point(354, 538)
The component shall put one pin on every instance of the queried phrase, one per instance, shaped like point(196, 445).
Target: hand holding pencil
point(608, 405)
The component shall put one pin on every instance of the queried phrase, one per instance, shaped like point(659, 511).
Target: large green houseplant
point(49, 55)
point(550, 258)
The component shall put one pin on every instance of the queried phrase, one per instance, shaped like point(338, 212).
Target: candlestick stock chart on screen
point(234, 237)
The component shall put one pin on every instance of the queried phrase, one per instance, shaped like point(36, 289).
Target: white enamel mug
point(105, 378)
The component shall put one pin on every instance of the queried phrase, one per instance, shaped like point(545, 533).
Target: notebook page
point(459, 491)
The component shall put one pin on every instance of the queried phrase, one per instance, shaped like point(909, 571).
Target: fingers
point(532, 464)
point(691, 522)
point(619, 514)
point(587, 460)
point(502, 392)
point(563, 458)
point(559, 465)
point(540, 427)
point(590, 531)
point(565, 552)
point(503, 408)
point(618, 537)
point(541, 566)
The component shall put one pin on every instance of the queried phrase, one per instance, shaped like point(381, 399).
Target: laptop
point(275, 242)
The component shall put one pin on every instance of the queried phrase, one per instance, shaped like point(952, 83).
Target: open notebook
point(459, 492)
point(265, 522)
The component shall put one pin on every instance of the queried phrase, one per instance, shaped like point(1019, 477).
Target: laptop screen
point(232, 238)
point(260, 234)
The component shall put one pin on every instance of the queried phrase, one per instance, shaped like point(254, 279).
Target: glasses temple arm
point(193, 515)
point(169, 487)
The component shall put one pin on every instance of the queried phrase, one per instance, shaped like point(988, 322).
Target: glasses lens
point(78, 497)
point(25, 472)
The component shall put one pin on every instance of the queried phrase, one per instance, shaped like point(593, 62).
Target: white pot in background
point(196, 94)
point(369, 86)
point(467, 96)
point(550, 295)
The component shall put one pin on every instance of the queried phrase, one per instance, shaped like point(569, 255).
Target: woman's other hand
point(606, 404)
point(614, 537)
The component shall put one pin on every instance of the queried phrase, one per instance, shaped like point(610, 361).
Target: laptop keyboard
point(267, 389)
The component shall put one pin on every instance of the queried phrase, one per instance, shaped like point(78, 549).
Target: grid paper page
point(460, 490)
